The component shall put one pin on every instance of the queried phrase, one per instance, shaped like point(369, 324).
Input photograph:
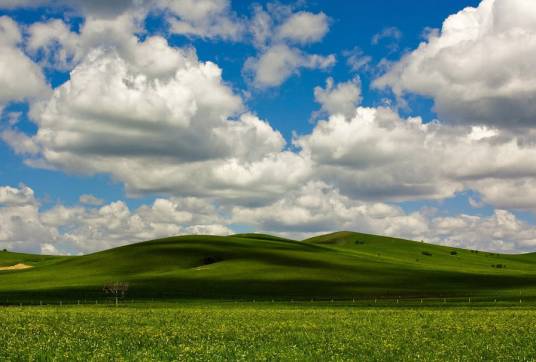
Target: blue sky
point(454, 172)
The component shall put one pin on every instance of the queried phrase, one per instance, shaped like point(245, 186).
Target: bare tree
point(116, 290)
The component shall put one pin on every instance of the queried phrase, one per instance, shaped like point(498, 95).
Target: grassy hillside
point(339, 265)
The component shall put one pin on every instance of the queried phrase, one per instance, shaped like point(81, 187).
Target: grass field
point(342, 296)
point(342, 265)
point(265, 331)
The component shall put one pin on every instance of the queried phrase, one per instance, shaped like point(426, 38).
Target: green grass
point(342, 265)
point(265, 331)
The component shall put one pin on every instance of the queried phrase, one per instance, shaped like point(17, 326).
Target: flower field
point(266, 331)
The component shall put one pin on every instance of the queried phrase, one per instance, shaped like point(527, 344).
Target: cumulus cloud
point(502, 231)
point(478, 69)
point(340, 99)
point(87, 199)
point(73, 230)
point(16, 196)
point(304, 27)
point(19, 142)
point(279, 62)
point(319, 208)
point(61, 48)
point(392, 33)
point(276, 32)
point(377, 155)
point(203, 18)
point(55, 43)
point(20, 78)
point(160, 120)
point(314, 208)
point(356, 59)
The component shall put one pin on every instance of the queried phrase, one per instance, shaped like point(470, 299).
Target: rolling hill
point(338, 265)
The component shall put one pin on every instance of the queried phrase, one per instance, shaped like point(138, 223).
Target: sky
point(123, 121)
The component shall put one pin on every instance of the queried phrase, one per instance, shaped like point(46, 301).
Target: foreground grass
point(265, 331)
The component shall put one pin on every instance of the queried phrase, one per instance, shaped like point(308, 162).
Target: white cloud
point(159, 120)
point(203, 18)
point(313, 209)
point(304, 27)
point(376, 155)
point(318, 208)
point(64, 49)
point(58, 45)
point(13, 196)
point(387, 33)
point(502, 231)
point(20, 78)
point(508, 193)
point(276, 31)
point(479, 68)
point(72, 230)
point(100, 8)
point(279, 62)
point(49, 249)
point(260, 26)
point(87, 199)
point(19, 142)
point(356, 59)
point(340, 99)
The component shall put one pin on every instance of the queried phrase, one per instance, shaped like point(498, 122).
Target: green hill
point(338, 265)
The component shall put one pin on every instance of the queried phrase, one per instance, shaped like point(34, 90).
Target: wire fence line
point(358, 301)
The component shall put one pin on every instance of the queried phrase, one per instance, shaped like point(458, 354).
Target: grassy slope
point(249, 265)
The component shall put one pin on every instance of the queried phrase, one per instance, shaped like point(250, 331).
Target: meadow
point(341, 265)
point(267, 331)
point(342, 297)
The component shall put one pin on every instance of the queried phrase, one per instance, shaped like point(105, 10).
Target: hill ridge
point(340, 264)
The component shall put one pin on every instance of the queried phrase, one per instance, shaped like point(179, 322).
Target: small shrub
point(453, 252)
point(4, 250)
point(426, 253)
point(498, 266)
point(210, 260)
point(359, 242)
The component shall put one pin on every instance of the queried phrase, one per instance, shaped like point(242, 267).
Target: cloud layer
point(478, 68)
point(166, 124)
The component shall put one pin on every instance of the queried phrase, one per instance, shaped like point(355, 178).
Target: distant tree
point(453, 252)
point(4, 250)
point(116, 290)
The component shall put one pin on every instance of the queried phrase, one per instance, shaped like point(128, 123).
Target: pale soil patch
point(18, 266)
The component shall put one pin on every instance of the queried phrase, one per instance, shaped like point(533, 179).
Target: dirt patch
point(18, 266)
